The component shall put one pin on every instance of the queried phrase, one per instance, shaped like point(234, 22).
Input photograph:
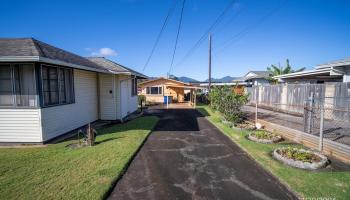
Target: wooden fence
point(292, 97)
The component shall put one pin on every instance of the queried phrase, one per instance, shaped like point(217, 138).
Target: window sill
point(19, 107)
point(63, 104)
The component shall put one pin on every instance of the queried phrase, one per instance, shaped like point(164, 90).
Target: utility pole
point(209, 79)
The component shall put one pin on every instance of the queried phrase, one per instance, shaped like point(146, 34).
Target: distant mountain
point(225, 79)
point(187, 79)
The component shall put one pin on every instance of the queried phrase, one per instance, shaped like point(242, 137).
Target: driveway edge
point(257, 162)
point(127, 165)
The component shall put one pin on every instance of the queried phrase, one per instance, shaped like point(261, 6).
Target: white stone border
point(300, 164)
point(265, 141)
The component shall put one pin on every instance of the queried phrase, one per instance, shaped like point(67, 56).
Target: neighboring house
point(156, 89)
point(336, 71)
point(256, 78)
point(46, 91)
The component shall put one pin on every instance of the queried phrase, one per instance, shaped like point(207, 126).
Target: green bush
point(203, 98)
point(228, 103)
point(141, 99)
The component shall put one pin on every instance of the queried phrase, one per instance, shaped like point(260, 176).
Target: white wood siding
point(58, 120)
point(108, 101)
point(20, 125)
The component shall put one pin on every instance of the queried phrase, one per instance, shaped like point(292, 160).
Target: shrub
point(228, 103)
point(141, 99)
point(203, 98)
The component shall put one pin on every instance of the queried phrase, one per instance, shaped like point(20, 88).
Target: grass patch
point(309, 184)
point(59, 172)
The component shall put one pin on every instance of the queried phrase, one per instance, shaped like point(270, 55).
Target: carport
point(193, 94)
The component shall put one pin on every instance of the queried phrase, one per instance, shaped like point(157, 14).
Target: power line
point(177, 36)
point(204, 36)
point(246, 30)
point(168, 16)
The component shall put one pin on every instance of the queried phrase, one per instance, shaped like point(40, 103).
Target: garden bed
point(265, 137)
point(300, 158)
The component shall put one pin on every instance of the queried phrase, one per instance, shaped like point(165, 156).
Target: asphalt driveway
point(186, 157)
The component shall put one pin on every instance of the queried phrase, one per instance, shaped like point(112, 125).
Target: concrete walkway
point(186, 157)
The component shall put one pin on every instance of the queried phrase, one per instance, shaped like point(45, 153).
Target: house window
point(134, 86)
point(18, 85)
point(154, 90)
point(57, 85)
point(6, 86)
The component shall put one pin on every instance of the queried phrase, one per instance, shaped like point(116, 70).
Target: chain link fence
point(328, 118)
point(322, 110)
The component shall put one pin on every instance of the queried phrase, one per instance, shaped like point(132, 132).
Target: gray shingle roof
point(335, 63)
point(259, 74)
point(113, 66)
point(29, 47)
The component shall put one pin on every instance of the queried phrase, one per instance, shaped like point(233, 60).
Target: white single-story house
point(335, 71)
point(46, 92)
point(253, 78)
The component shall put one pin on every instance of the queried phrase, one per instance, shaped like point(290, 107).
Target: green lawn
point(59, 172)
point(306, 183)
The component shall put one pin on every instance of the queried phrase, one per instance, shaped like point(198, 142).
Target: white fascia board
point(303, 73)
point(19, 58)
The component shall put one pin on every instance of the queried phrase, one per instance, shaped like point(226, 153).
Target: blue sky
point(308, 32)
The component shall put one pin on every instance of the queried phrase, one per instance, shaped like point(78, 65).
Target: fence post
point(311, 107)
point(320, 145)
point(256, 112)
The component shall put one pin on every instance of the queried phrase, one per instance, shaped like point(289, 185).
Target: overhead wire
point(165, 22)
point(177, 37)
point(246, 30)
point(205, 35)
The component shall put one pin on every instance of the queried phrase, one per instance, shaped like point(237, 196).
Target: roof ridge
point(37, 47)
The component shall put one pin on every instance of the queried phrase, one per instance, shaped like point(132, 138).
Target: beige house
point(46, 92)
point(155, 90)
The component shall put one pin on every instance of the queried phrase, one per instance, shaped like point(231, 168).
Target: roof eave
point(49, 61)
point(331, 71)
point(19, 58)
point(337, 64)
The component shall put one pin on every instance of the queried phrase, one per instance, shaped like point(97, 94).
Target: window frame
point(150, 90)
point(72, 90)
point(13, 86)
point(134, 86)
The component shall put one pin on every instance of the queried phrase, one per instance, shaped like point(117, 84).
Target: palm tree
point(275, 71)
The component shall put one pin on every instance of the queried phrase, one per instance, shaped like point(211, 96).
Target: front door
point(124, 98)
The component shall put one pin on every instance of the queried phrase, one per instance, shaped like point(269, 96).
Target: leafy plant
point(275, 71)
point(298, 154)
point(261, 134)
point(228, 103)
